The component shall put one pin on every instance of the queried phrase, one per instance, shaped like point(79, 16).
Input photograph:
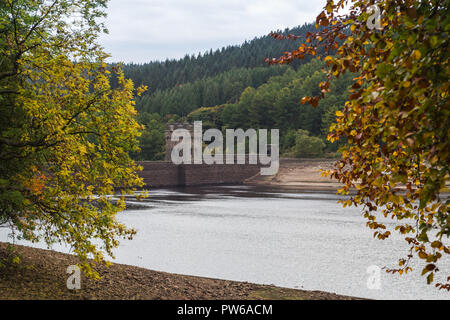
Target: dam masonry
point(167, 174)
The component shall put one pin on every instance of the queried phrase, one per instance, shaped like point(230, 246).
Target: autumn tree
point(152, 141)
point(65, 134)
point(307, 146)
point(396, 120)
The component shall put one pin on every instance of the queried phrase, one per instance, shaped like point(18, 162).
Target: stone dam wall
point(165, 173)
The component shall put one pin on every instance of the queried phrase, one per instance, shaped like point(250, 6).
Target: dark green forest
point(161, 75)
point(235, 88)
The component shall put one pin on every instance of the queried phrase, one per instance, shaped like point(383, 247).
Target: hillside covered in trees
point(161, 75)
point(235, 88)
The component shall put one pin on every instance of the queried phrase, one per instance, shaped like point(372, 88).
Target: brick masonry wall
point(160, 173)
point(165, 173)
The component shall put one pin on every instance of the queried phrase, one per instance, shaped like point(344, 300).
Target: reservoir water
point(268, 236)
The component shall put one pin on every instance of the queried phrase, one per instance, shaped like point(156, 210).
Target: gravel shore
point(301, 175)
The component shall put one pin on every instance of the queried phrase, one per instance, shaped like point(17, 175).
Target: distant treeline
point(225, 87)
point(161, 75)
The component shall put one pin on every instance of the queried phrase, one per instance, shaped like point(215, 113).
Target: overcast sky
point(146, 30)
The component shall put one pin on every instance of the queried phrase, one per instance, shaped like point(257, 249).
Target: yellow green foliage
point(65, 134)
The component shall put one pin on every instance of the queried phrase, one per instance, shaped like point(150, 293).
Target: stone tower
point(170, 128)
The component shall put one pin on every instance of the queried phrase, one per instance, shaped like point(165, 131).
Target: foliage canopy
point(65, 134)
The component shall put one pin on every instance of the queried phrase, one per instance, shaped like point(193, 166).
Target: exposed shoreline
point(42, 275)
point(303, 175)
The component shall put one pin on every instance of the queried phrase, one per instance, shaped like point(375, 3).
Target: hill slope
point(161, 75)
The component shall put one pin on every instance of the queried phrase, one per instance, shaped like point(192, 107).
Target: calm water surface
point(261, 235)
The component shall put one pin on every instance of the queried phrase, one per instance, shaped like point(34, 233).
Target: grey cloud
point(144, 30)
